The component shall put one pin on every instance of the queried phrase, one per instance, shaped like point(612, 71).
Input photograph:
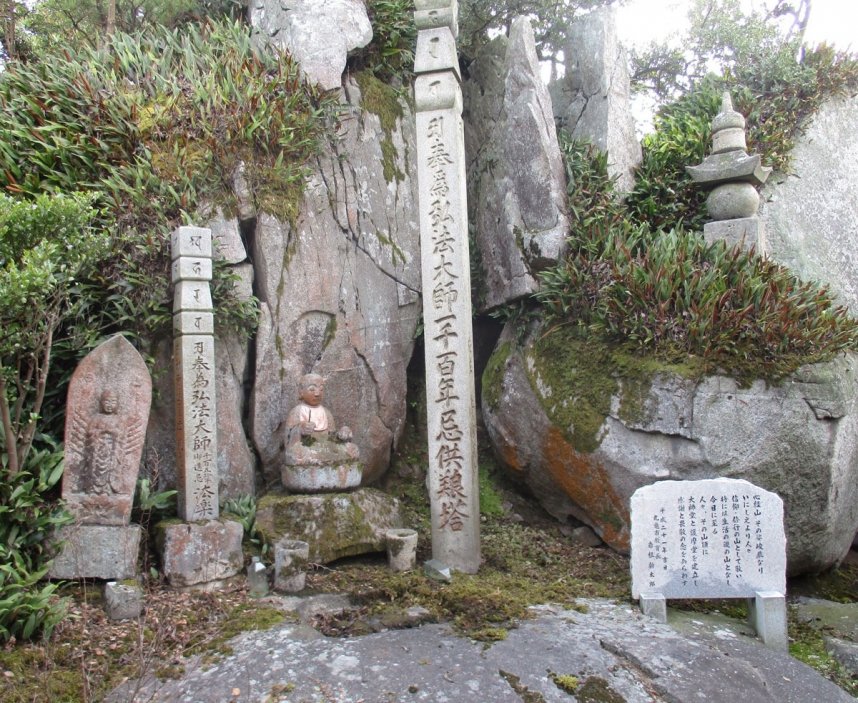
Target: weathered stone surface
point(811, 214)
point(317, 33)
point(226, 238)
point(97, 552)
point(198, 553)
point(796, 439)
point(516, 181)
point(290, 565)
point(335, 525)
point(122, 601)
point(338, 291)
point(745, 231)
point(106, 413)
point(617, 655)
point(592, 100)
point(713, 538)
point(730, 201)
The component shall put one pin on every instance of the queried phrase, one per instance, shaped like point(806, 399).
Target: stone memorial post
point(715, 538)
point(194, 360)
point(204, 550)
point(453, 487)
point(106, 413)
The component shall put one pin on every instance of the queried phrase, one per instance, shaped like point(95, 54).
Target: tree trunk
point(9, 28)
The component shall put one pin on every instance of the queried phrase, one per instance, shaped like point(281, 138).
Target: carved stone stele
point(106, 414)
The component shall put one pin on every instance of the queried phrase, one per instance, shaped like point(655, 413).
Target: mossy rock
point(334, 525)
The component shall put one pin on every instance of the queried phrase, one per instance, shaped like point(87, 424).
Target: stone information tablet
point(716, 538)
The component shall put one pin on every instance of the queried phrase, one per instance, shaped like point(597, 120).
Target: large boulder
point(339, 289)
point(592, 100)
point(585, 426)
point(317, 33)
point(811, 214)
point(516, 181)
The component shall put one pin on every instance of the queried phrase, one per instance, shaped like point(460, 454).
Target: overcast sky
point(640, 21)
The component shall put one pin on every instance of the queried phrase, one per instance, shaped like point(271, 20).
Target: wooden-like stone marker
point(194, 359)
point(715, 538)
point(453, 487)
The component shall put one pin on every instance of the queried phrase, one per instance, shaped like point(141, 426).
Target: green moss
point(807, 645)
point(492, 380)
point(246, 617)
point(565, 682)
point(491, 502)
point(383, 101)
point(575, 380)
point(527, 696)
point(597, 690)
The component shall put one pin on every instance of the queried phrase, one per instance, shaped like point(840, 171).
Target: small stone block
point(654, 605)
point(767, 614)
point(747, 231)
point(439, 17)
point(202, 552)
point(422, 5)
point(187, 322)
point(192, 268)
point(437, 571)
point(401, 549)
point(436, 51)
point(97, 552)
point(290, 564)
point(192, 295)
point(192, 241)
point(122, 601)
point(437, 91)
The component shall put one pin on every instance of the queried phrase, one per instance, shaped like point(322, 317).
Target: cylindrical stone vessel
point(731, 201)
point(401, 549)
point(290, 562)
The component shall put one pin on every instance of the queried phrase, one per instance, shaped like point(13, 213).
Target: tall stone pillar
point(194, 362)
point(203, 551)
point(453, 484)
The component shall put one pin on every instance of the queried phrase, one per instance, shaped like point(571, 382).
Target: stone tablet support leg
point(767, 614)
point(654, 605)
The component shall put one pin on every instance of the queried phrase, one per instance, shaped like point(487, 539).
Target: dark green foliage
point(390, 54)
point(157, 124)
point(671, 294)
point(664, 195)
point(777, 95)
point(28, 606)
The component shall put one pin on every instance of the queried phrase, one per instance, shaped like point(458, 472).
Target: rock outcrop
point(811, 214)
point(317, 33)
point(516, 182)
point(585, 431)
point(592, 100)
point(339, 290)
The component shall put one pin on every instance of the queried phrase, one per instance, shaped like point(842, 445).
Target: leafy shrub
point(45, 244)
point(777, 95)
point(27, 519)
point(672, 294)
point(390, 54)
point(157, 124)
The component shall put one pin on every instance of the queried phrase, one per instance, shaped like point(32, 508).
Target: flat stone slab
point(335, 525)
point(97, 552)
point(610, 648)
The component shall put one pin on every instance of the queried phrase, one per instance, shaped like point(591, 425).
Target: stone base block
point(767, 614)
point(97, 551)
point(748, 231)
point(334, 525)
point(322, 478)
point(654, 605)
point(198, 553)
point(123, 601)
